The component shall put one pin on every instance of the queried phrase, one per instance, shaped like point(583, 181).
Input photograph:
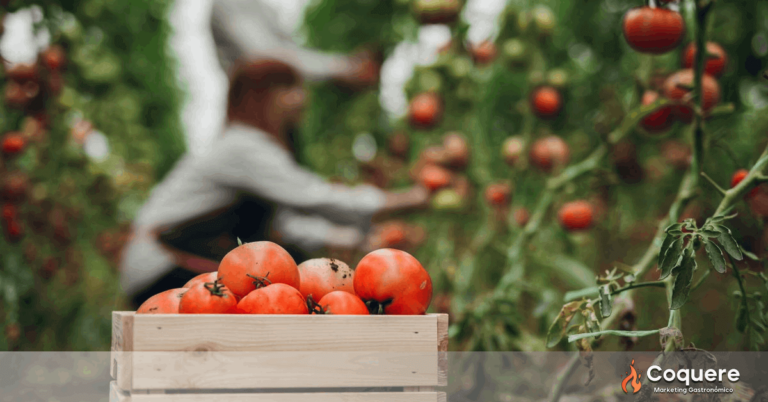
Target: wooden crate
point(279, 358)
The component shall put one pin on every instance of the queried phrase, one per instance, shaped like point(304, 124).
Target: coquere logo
point(634, 377)
point(685, 376)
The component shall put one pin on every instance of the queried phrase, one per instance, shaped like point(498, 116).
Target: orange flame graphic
point(634, 377)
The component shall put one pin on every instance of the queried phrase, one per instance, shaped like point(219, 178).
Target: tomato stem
point(314, 307)
point(377, 308)
point(259, 281)
point(215, 287)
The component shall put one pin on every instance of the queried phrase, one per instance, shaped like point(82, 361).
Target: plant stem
point(562, 379)
point(654, 284)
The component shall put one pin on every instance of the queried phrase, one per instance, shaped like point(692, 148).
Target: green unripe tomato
point(515, 50)
point(544, 19)
point(447, 200)
point(558, 78)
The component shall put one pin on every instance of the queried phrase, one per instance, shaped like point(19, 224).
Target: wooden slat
point(116, 394)
point(289, 333)
point(237, 370)
point(442, 348)
point(122, 344)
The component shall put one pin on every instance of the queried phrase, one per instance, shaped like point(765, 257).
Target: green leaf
point(668, 240)
point(675, 233)
point(606, 302)
point(757, 324)
point(715, 256)
point(728, 242)
point(710, 233)
point(750, 255)
point(557, 329)
point(239, 242)
point(682, 287)
point(674, 226)
point(671, 258)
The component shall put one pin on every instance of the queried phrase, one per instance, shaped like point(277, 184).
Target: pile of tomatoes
point(263, 278)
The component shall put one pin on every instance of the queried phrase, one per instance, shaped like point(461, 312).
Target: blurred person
point(248, 186)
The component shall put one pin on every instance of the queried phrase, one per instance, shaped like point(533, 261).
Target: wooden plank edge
point(442, 349)
point(121, 364)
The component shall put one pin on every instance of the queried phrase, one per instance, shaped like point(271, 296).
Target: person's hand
point(415, 197)
point(362, 72)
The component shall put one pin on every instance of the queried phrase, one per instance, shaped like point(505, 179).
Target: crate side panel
point(269, 370)
point(285, 333)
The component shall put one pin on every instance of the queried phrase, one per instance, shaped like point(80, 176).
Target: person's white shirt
point(312, 212)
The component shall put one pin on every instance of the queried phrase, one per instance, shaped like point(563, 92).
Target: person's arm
point(256, 164)
point(312, 232)
point(247, 29)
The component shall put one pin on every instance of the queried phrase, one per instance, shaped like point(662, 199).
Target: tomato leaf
point(557, 329)
point(715, 256)
point(750, 255)
point(676, 232)
point(682, 286)
point(671, 258)
point(729, 243)
point(668, 240)
point(606, 301)
point(674, 226)
point(710, 233)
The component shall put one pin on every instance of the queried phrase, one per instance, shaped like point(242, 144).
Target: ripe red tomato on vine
point(576, 215)
point(658, 121)
point(714, 66)
point(653, 30)
point(484, 53)
point(13, 143)
point(546, 102)
point(738, 177)
point(434, 177)
point(549, 153)
point(425, 110)
point(498, 194)
point(676, 89)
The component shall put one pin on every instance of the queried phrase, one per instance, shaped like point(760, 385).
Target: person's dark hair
point(252, 80)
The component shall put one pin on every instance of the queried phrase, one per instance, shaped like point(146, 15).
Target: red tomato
point(576, 215)
point(273, 299)
point(550, 152)
point(712, 66)
point(521, 216)
point(434, 177)
point(498, 194)
point(54, 58)
point(10, 212)
point(546, 102)
point(163, 303)
point(672, 90)
point(15, 186)
point(341, 303)
point(13, 143)
point(393, 234)
point(14, 230)
point(738, 177)
point(393, 282)
point(22, 72)
point(399, 144)
point(484, 53)
point(456, 149)
point(653, 30)
point(512, 150)
point(659, 120)
point(321, 276)
point(425, 110)
point(201, 279)
point(15, 96)
point(208, 298)
point(258, 264)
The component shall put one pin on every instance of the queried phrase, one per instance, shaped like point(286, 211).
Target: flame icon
point(634, 377)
